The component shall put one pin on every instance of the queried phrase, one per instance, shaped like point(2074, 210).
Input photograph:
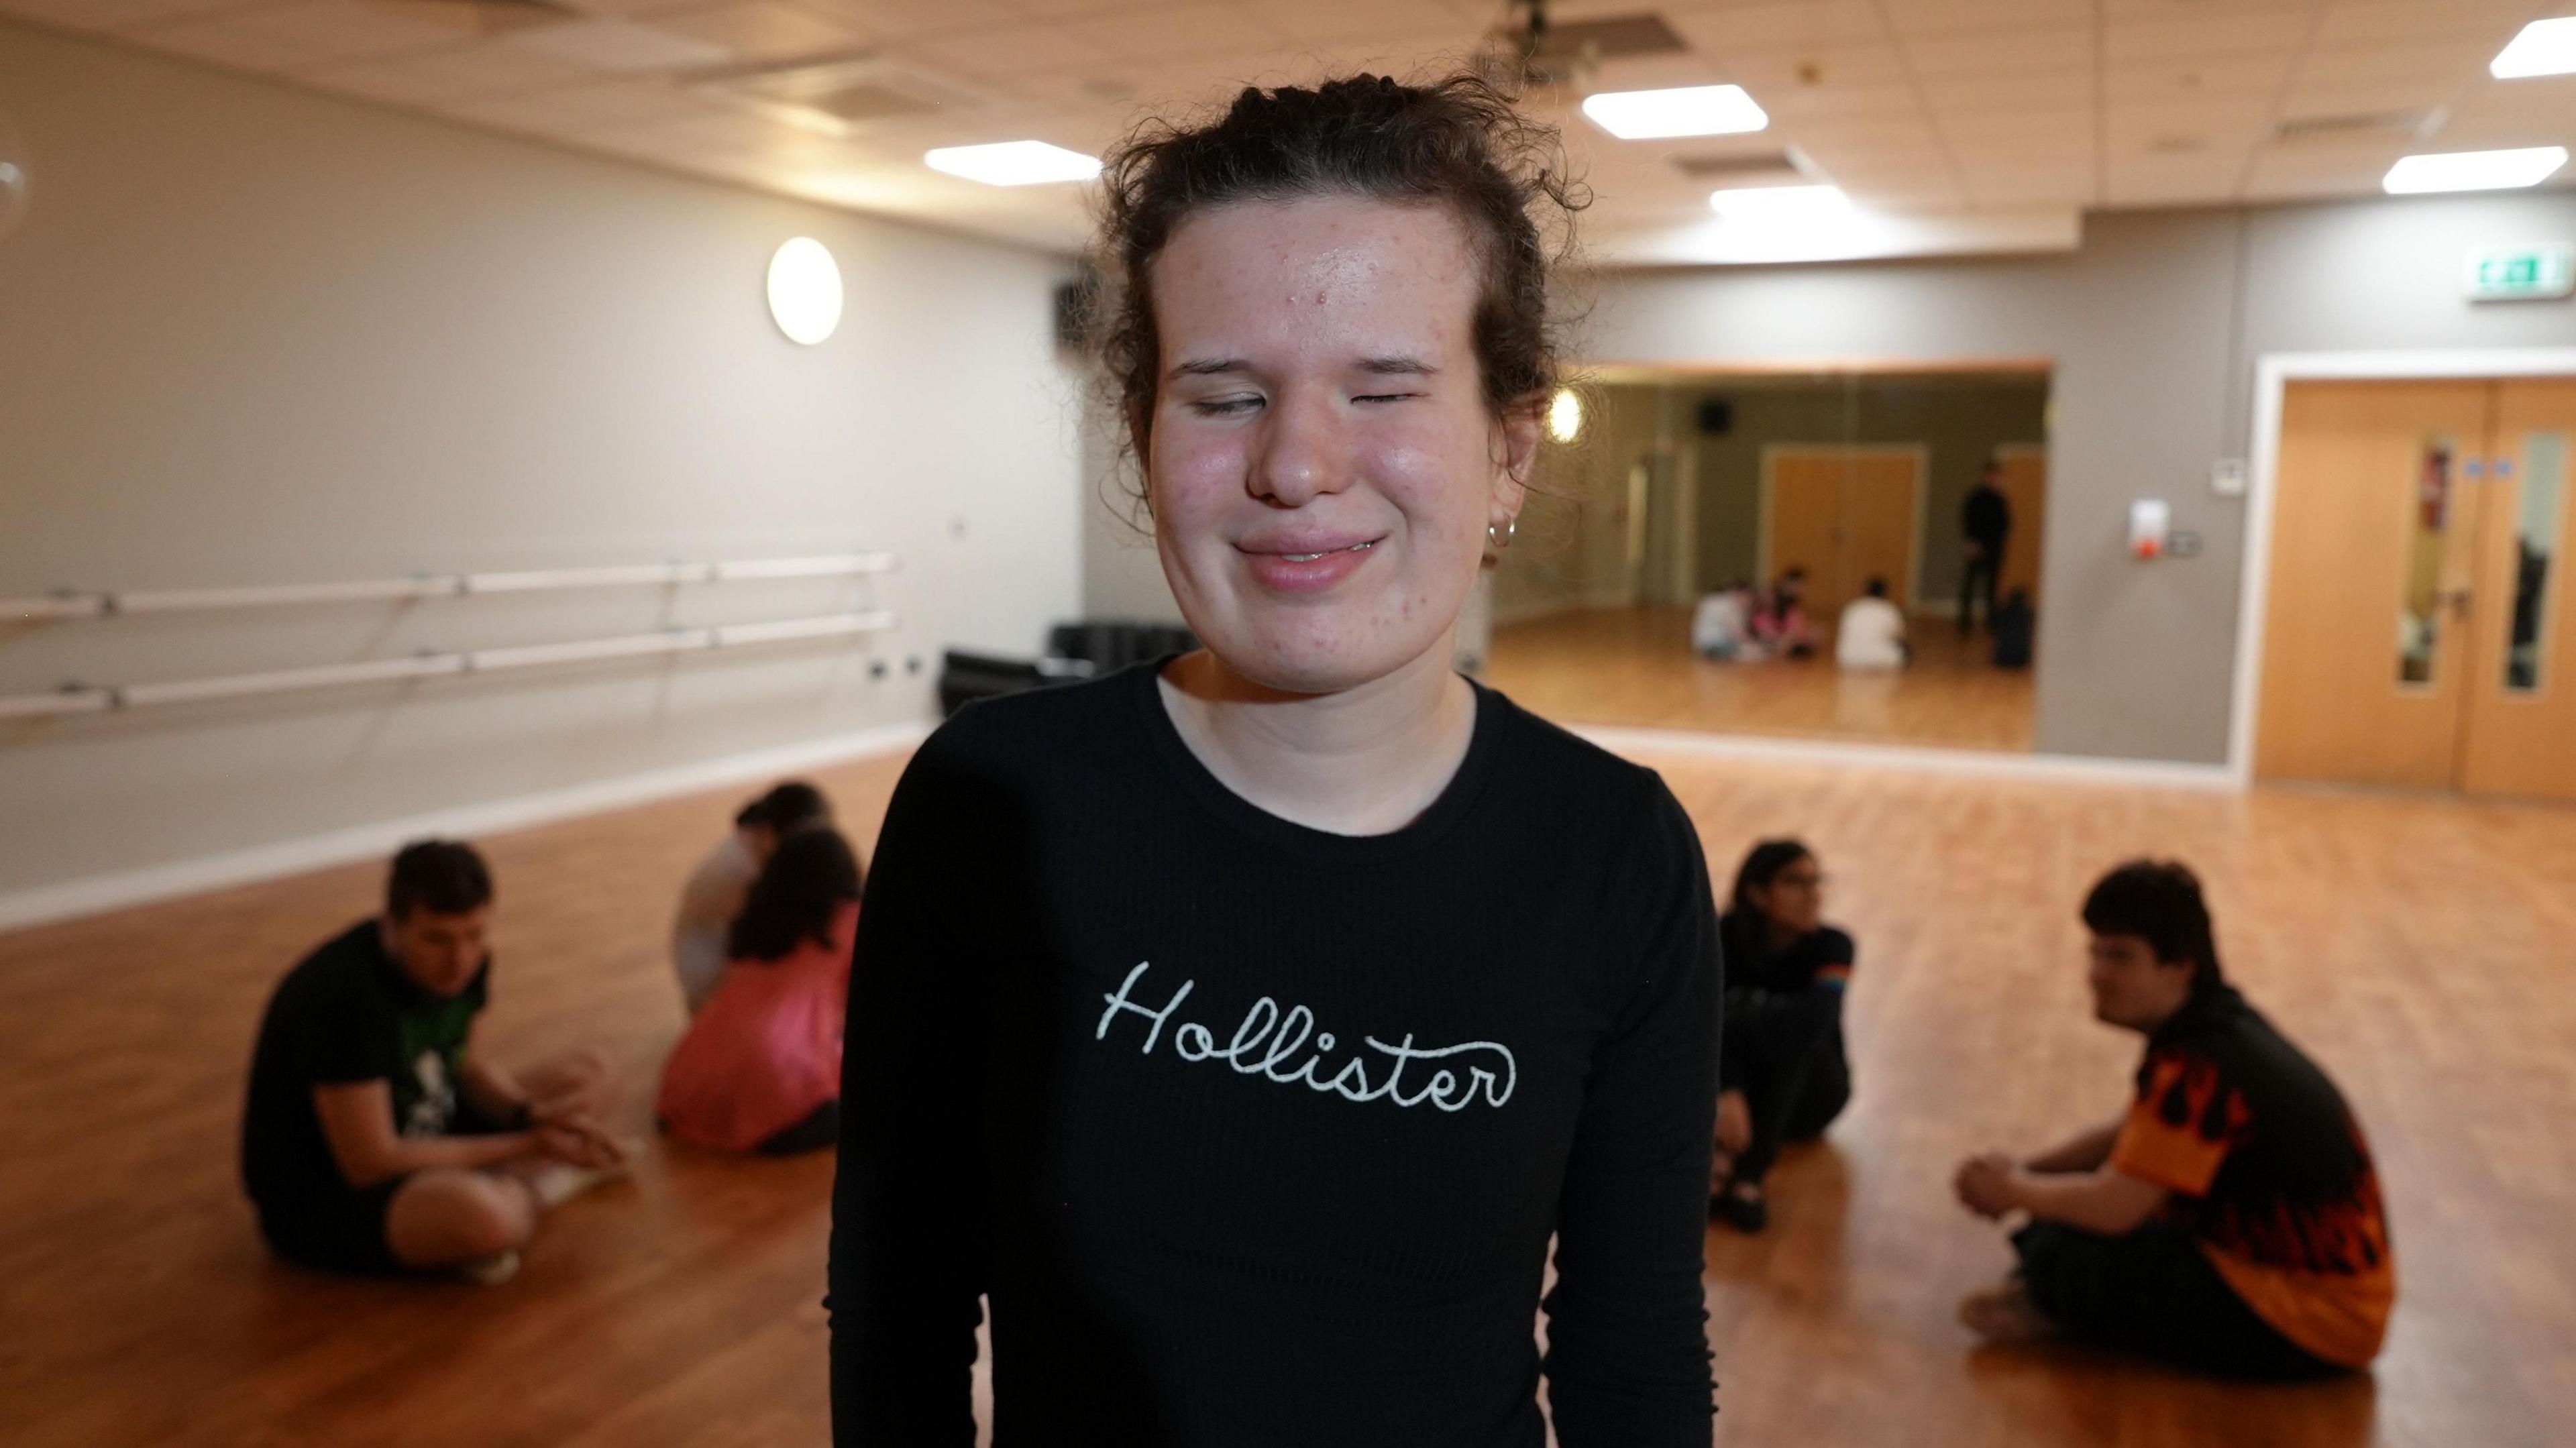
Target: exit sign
point(2520, 273)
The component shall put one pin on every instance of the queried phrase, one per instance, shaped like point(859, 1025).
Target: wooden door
point(2023, 480)
point(1847, 514)
point(2373, 531)
point(2521, 689)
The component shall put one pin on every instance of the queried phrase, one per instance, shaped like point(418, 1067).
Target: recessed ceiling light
point(1695, 110)
point(1781, 205)
point(1565, 416)
point(1013, 163)
point(2545, 47)
point(2474, 170)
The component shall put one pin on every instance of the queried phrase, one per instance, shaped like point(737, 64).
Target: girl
point(1786, 1076)
point(760, 1067)
point(1241, 1027)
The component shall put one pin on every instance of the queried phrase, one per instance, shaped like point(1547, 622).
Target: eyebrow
point(1375, 366)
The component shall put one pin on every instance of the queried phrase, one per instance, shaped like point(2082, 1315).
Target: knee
point(497, 1217)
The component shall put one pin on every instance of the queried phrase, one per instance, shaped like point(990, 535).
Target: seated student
point(1871, 634)
point(1781, 624)
point(2229, 1220)
point(1782, 1072)
point(760, 1067)
point(376, 1137)
point(714, 893)
point(1722, 625)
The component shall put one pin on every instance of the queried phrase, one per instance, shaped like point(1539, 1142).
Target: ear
point(1520, 434)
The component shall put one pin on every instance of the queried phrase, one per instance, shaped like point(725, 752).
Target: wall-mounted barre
point(74, 604)
point(418, 666)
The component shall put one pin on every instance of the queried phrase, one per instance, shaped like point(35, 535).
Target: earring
point(1502, 539)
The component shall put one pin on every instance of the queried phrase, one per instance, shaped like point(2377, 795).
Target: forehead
point(1252, 271)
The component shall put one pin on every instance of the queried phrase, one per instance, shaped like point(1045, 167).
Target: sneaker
point(2004, 1313)
point(491, 1271)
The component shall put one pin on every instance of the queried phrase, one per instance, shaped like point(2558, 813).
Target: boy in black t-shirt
point(2229, 1219)
point(375, 1138)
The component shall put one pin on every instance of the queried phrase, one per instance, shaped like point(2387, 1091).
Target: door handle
point(2457, 598)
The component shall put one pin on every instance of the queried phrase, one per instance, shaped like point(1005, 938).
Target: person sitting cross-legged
point(1783, 1071)
point(376, 1137)
point(2229, 1220)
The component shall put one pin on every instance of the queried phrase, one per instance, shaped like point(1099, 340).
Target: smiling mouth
point(1311, 557)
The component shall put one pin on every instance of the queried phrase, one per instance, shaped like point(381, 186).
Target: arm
point(1627, 1359)
point(358, 1121)
point(2107, 1201)
point(493, 1093)
point(906, 1271)
point(2083, 1152)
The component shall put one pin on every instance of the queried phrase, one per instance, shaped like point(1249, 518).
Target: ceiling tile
point(481, 68)
point(2453, 60)
point(767, 30)
point(115, 14)
point(2362, 22)
point(1799, 25)
point(1939, 17)
point(2019, 94)
point(1146, 35)
point(2204, 29)
point(316, 32)
point(2061, 47)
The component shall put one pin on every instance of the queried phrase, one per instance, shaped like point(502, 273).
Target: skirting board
point(91, 894)
point(1983, 763)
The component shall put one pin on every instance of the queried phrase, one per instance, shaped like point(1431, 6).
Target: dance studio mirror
point(1700, 553)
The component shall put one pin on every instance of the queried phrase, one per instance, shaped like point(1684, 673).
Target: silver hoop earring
point(1501, 540)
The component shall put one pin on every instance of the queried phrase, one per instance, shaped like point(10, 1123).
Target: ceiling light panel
point(1013, 163)
point(1696, 110)
point(2545, 47)
point(2474, 170)
point(1781, 205)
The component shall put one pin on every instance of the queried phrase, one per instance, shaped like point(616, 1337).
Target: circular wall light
point(15, 187)
point(805, 290)
point(1565, 416)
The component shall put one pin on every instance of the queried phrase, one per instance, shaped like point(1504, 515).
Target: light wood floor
point(1634, 667)
point(2420, 947)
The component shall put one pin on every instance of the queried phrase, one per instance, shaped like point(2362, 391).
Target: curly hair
point(1456, 142)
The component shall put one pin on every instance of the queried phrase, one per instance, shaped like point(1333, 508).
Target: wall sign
point(2520, 273)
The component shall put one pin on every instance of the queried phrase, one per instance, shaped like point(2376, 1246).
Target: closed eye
point(1385, 396)
point(1223, 406)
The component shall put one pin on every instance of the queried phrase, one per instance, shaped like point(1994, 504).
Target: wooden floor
point(1634, 667)
point(2421, 947)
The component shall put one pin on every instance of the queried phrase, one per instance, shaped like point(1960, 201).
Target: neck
point(1779, 936)
point(1366, 760)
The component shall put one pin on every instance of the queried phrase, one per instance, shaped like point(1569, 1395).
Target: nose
point(1304, 450)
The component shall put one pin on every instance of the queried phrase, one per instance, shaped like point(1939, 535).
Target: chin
point(1312, 650)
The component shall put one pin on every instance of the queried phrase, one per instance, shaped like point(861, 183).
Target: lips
point(1305, 564)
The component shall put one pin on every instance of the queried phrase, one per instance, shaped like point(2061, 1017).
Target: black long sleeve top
point(1254, 1134)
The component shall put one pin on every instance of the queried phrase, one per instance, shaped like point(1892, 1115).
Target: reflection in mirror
point(2535, 544)
point(2419, 622)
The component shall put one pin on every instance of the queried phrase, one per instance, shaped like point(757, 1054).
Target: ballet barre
point(77, 604)
point(95, 700)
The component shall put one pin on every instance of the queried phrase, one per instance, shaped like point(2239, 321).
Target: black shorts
point(335, 1228)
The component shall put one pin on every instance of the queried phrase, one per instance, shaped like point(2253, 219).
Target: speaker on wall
point(1716, 416)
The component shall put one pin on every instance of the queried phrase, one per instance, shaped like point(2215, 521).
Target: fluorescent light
point(2474, 170)
point(2545, 47)
point(805, 290)
point(1565, 416)
point(1694, 110)
point(1781, 205)
point(1013, 163)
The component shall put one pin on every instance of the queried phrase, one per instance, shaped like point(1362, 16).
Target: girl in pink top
point(760, 1066)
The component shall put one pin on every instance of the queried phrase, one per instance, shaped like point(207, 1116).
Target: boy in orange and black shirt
point(2230, 1219)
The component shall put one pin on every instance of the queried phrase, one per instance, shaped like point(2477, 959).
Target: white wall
point(250, 335)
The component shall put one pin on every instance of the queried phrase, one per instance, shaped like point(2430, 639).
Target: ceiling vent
point(1761, 168)
point(838, 94)
point(2359, 126)
point(1535, 49)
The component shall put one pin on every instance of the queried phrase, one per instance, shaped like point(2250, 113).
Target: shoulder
point(1830, 946)
point(344, 973)
point(1037, 724)
point(1592, 804)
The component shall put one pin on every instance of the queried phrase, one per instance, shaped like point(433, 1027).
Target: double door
point(1846, 514)
point(2418, 630)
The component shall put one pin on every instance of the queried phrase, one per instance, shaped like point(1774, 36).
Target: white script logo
point(1267, 1041)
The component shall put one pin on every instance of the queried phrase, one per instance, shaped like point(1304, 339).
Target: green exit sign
point(2521, 273)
